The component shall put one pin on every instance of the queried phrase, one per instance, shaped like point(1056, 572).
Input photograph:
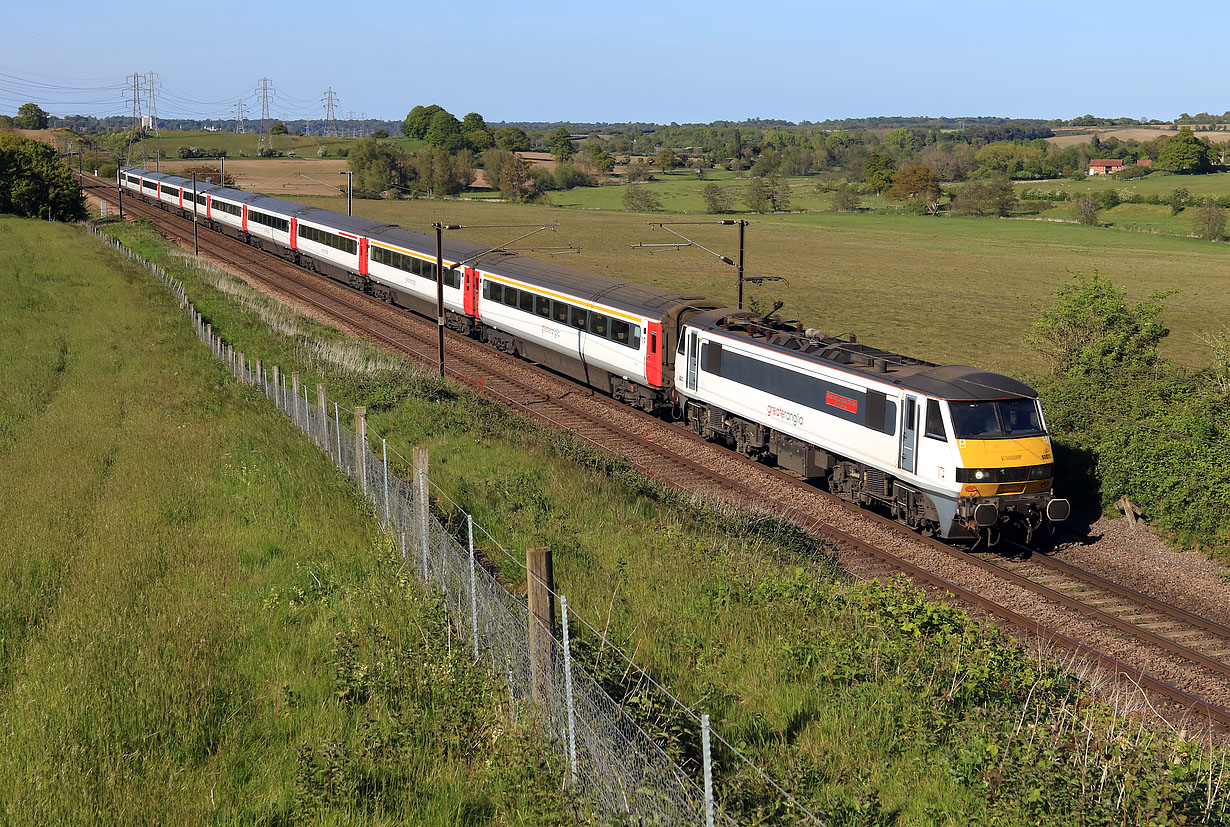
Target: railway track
point(560, 403)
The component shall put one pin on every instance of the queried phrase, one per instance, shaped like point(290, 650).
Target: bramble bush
point(1130, 421)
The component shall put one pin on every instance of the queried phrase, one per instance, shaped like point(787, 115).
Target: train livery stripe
point(542, 291)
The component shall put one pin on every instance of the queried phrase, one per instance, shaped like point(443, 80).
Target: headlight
point(980, 475)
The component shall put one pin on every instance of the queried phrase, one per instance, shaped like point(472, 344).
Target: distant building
point(1105, 166)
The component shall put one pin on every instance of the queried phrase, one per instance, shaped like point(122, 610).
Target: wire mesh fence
point(611, 761)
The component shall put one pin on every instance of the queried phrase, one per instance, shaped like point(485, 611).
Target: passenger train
point(949, 450)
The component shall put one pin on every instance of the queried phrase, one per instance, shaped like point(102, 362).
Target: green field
point(1155, 183)
point(871, 704)
point(200, 622)
point(961, 290)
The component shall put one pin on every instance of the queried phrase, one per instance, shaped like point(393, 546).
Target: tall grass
point(199, 622)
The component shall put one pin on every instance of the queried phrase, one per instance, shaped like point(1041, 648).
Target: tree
point(1178, 200)
point(512, 139)
point(919, 187)
point(377, 165)
point(845, 198)
point(419, 121)
point(717, 199)
point(480, 140)
point(438, 172)
point(756, 195)
point(665, 160)
point(1091, 333)
point(561, 145)
point(638, 170)
point(995, 197)
point(1087, 209)
point(510, 174)
point(878, 169)
point(639, 199)
point(1186, 154)
point(569, 176)
point(1210, 221)
point(473, 121)
point(602, 160)
point(380, 134)
point(778, 193)
point(444, 132)
point(30, 116)
point(34, 180)
point(280, 129)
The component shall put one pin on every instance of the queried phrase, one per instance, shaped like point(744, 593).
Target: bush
point(1087, 207)
point(845, 198)
point(1210, 221)
point(569, 176)
point(718, 199)
point(1109, 199)
point(1130, 172)
point(639, 199)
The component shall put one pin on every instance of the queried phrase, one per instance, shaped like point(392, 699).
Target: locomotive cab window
point(935, 422)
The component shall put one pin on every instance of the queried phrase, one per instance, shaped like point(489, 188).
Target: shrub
point(639, 199)
point(845, 198)
point(1087, 207)
point(1130, 172)
point(568, 176)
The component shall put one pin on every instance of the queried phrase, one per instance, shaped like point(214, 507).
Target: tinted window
point(598, 324)
point(1020, 417)
point(935, 421)
point(988, 420)
point(620, 331)
point(527, 301)
point(497, 291)
point(559, 311)
point(510, 296)
point(580, 317)
point(542, 306)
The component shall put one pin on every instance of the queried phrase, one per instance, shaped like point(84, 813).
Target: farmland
point(192, 596)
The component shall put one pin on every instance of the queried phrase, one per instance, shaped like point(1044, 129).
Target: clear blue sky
point(660, 62)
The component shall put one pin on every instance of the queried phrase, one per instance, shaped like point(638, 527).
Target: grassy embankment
point(961, 290)
point(872, 705)
point(200, 622)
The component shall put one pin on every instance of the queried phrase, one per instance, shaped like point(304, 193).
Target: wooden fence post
point(540, 586)
point(360, 445)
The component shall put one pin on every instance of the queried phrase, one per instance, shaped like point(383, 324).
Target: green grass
point(870, 703)
point(247, 144)
point(200, 622)
point(1155, 183)
point(954, 290)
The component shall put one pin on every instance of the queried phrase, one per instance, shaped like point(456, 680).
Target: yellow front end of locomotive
point(986, 462)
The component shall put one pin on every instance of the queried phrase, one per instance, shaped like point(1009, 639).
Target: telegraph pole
point(349, 189)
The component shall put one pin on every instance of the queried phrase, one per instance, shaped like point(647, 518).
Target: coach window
point(935, 422)
point(619, 331)
point(559, 311)
point(497, 291)
point(636, 336)
point(510, 296)
point(542, 306)
point(580, 317)
point(598, 324)
point(527, 301)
